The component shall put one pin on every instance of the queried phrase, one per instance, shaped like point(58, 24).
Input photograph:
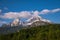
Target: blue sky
point(8, 7)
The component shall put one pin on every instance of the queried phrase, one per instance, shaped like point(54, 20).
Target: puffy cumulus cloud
point(11, 15)
point(27, 14)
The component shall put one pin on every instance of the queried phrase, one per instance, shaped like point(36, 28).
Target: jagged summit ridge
point(33, 20)
point(36, 20)
point(16, 22)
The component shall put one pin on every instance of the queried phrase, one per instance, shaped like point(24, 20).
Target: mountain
point(36, 21)
point(45, 32)
point(33, 21)
point(13, 27)
point(16, 22)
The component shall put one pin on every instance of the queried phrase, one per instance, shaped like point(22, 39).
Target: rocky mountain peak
point(16, 22)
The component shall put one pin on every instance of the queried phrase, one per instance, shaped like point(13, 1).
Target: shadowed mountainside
point(44, 32)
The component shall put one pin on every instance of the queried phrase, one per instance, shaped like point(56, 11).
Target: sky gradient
point(48, 9)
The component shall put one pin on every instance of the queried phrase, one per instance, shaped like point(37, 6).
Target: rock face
point(36, 21)
point(16, 25)
point(16, 22)
point(33, 21)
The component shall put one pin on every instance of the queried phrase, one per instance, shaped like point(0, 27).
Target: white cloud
point(35, 13)
point(11, 15)
point(55, 10)
point(44, 11)
point(27, 14)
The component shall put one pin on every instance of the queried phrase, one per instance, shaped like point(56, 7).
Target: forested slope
point(45, 32)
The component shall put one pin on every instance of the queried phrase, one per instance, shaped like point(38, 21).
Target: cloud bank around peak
point(27, 14)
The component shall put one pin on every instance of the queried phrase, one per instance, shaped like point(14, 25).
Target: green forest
point(44, 32)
